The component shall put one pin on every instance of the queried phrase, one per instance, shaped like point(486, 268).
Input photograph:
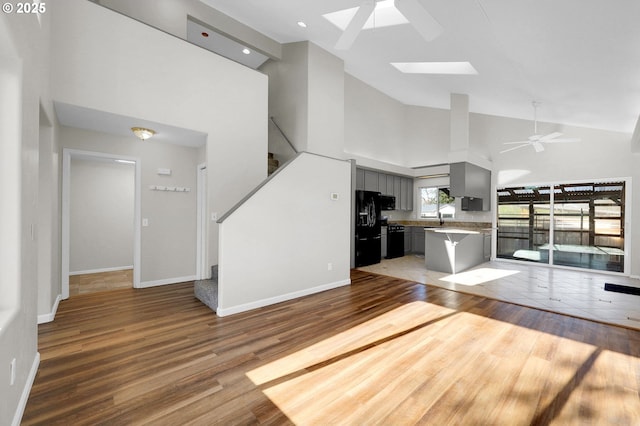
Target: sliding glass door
point(587, 231)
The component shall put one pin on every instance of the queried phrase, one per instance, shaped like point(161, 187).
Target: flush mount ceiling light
point(143, 133)
point(462, 68)
point(246, 51)
point(301, 24)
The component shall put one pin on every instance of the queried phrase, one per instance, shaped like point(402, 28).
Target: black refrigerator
point(367, 228)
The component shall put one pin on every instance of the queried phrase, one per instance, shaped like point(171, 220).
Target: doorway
point(92, 261)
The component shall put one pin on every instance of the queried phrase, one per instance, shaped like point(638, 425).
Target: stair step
point(206, 291)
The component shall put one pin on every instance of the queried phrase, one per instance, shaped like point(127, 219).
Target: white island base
point(453, 250)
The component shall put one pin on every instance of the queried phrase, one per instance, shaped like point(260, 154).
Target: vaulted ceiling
point(579, 58)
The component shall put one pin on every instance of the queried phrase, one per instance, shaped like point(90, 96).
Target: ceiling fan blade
point(550, 136)
point(564, 140)
point(513, 143)
point(538, 146)
point(514, 148)
point(421, 20)
point(355, 26)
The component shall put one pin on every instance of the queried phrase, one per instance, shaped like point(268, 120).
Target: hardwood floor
point(100, 281)
point(381, 351)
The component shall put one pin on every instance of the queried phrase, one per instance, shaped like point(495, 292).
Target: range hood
point(468, 181)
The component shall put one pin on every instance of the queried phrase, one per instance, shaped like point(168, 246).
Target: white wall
point(326, 103)
point(24, 84)
point(171, 16)
point(101, 215)
point(182, 85)
point(278, 244)
point(288, 94)
point(168, 244)
point(49, 257)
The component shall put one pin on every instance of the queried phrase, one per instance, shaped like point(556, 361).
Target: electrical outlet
point(12, 373)
point(145, 221)
point(329, 266)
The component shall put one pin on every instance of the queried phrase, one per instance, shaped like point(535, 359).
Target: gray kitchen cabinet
point(389, 190)
point(417, 239)
point(407, 240)
point(403, 190)
point(487, 247)
point(382, 183)
point(383, 242)
point(408, 194)
point(397, 191)
point(370, 180)
point(360, 179)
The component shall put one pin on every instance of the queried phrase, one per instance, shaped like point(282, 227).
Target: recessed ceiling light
point(384, 15)
point(204, 34)
point(302, 24)
point(463, 68)
point(246, 51)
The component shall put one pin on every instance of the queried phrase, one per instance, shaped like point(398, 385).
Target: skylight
point(462, 68)
point(385, 15)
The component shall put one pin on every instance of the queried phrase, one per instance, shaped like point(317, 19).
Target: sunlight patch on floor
point(478, 276)
point(356, 339)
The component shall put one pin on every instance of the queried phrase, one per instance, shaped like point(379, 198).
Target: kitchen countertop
point(448, 224)
point(452, 231)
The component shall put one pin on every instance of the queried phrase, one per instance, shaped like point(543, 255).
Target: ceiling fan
point(421, 20)
point(536, 140)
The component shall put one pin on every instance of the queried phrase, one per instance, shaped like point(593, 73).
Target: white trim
point(22, 404)
point(201, 222)
point(222, 312)
point(67, 154)
point(51, 315)
point(97, 271)
point(167, 281)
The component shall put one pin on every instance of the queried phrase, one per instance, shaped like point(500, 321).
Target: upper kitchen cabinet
point(397, 191)
point(382, 183)
point(359, 180)
point(389, 190)
point(400, 187)
point(406, 190)
point(371, 181)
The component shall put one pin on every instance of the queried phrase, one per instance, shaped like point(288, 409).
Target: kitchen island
point(453, 250)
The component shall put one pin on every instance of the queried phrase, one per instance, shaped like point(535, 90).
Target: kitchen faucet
point(440, 218)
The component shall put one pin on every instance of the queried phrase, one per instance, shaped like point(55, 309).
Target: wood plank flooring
point(381, 351)
point(100, 281)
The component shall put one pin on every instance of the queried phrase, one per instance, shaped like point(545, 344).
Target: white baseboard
point(51, 315)
point(167, 281)
point(22, 404)
point(97, 271)
point(222, 312)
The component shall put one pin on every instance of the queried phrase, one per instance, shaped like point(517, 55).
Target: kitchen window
point(578, 225)
point(436, 203)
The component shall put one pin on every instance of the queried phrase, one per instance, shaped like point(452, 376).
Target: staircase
point(273, 164)
point(206, 291)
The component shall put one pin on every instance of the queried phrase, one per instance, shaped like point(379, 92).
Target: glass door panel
point(523, 224)
point(588, 226)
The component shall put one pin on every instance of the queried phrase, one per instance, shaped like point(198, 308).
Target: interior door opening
point(100, 222)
